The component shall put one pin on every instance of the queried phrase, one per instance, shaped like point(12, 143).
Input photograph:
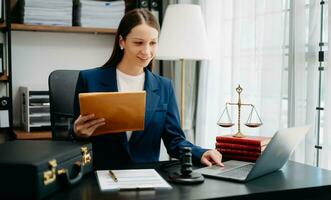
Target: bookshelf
point(17, 32)
point(4, 78)
point(18, 29)
point(5, 75)
point(63, 29)
point(40, 135)
point(2, 25)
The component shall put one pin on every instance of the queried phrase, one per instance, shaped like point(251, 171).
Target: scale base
point(239, 135)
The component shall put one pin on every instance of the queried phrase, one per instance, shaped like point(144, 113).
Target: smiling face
point(139, 46)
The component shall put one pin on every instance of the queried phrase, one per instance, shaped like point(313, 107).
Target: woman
point(126, 70)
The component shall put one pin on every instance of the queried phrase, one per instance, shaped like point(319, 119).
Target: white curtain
point(326, 135)
point(247, 39)
point(270, 48)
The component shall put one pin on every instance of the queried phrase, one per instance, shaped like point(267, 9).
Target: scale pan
point(253, 125)
point(225, 125)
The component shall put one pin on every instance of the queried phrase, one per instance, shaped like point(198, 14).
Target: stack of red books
point(246, 149)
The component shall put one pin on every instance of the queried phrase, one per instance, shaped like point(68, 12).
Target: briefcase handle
point(64, 175)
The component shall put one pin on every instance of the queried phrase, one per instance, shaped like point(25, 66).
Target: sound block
point(193, 178)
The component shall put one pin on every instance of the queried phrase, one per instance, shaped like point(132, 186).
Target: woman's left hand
point(212, 157)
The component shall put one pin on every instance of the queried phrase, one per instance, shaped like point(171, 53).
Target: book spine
point(244, 141)
point(240, 157)
point(238, 152)
point(238, 147)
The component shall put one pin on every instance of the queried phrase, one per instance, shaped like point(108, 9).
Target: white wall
point(36, 54)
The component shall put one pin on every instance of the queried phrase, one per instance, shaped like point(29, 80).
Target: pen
point(113, 175)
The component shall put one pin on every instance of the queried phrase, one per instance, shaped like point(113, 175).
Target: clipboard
point(123, 111)
point(131, 179)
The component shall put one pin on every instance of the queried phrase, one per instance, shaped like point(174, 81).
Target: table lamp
point(183, 37)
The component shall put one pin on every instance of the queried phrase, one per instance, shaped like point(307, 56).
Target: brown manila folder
point(123, 111)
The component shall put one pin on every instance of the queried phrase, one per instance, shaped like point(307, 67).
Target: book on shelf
point(2, 11)
point(239, 147)
point(1, 60)
point(98, 14)
point(43, 12)
point(248, 140)
point(241, 157)
point(246, 149)
point(238, 152)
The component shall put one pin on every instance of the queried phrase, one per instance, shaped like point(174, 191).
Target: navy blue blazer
point(161, 121)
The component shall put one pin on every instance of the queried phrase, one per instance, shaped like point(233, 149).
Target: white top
point(128, 83)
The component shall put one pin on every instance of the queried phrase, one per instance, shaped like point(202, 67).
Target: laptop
point(276, 154)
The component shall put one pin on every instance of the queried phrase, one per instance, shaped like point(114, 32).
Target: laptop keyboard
point(238, 173)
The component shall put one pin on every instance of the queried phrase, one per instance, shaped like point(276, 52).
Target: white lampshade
point(183, 34)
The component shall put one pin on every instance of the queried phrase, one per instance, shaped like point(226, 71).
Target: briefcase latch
point(50, 175)
point(86, 156)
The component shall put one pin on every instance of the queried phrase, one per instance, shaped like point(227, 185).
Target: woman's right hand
point(85, 125)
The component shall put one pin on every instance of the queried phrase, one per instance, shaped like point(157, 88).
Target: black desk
point(295, 180)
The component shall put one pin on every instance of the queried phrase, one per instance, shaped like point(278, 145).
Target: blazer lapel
point(108, 83)
point(108, 80)
point(152, 100)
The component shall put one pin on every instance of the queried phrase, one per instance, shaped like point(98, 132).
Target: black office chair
point(62, 84)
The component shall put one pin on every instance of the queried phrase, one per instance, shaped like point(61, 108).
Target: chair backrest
point(62, 84)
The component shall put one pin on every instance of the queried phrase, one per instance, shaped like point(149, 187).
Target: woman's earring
point(121, 48)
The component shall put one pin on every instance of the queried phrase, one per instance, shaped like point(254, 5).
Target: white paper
point(131, 179)
point(4, 119)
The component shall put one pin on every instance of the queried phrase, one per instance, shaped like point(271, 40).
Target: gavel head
point(186, 161)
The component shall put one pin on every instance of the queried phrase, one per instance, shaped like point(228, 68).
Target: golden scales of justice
point(228, 123)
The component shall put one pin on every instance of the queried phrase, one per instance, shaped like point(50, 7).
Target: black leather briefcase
point(35, 169)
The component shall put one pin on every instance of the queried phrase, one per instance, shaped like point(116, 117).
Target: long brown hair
point(129, 21)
